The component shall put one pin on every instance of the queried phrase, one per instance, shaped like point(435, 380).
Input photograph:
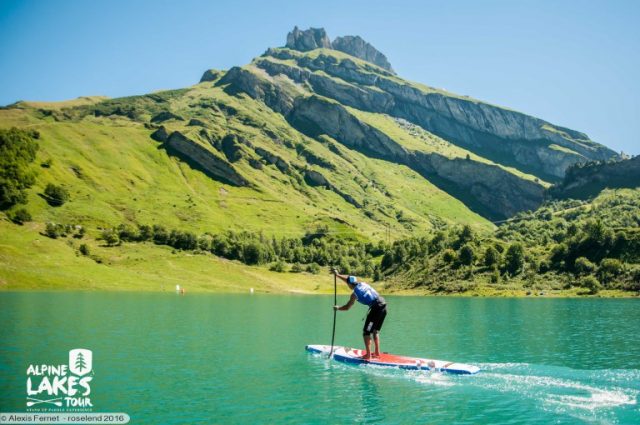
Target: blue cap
point(352, 280)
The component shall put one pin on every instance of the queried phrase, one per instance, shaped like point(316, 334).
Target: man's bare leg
point(367, 346)
point(376, 342)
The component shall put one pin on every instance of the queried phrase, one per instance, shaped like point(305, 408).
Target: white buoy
point(251, 290)
point(177, 288)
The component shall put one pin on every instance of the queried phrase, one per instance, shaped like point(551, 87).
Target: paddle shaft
point(335, 302)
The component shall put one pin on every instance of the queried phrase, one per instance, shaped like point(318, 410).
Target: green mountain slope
point(117, 173)
point(314, 135)
point(321, 90)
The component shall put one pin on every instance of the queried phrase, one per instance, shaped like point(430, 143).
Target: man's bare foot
point(365, 357)
point(375, 355)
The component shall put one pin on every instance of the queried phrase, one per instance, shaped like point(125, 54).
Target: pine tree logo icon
point(80, 364)
point(80, 361)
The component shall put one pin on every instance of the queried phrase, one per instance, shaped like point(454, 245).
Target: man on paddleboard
point(365, 294)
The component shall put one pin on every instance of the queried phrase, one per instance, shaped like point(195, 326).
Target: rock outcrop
point(358, 96)
point(582, 182)
point(231, 148)
point(313, 38)
point(316, 38)
point(211, 75)
point(273, 159)
point(201, 158)
point(160, 135)
point(314, 178)
point(243, 80)
point(356, 46)
point(195, 122)
point(166, 116)
point(315, 116)
point(497, 191)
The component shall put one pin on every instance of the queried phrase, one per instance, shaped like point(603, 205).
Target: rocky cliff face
point(315, 116)
point(499, 192)
point(243, 80)
point(190, 151)
point(499, 134)
point(317, 134)
point(585, 181)
point(316, 38)
point(211, 75)
point(486, 188)
point(356, 46)
point(313, 38)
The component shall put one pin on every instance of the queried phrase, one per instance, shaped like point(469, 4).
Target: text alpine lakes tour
point(58, 381)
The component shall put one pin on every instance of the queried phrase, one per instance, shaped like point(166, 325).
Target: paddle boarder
point(365, 294)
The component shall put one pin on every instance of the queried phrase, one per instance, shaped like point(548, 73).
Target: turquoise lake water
point(169, 359)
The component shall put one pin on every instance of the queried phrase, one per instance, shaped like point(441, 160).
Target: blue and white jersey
point(365, 294)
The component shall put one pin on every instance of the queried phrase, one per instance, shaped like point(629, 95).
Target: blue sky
point(573, 63)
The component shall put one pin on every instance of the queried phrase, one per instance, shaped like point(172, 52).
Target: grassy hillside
point(116, 173)
point(570, 246)
point(32, 261)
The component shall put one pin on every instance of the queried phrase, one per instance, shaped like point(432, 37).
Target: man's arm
point(348, 305)
point(341, 276)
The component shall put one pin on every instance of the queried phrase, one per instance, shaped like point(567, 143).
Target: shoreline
point(482, 293)
point(30, 263)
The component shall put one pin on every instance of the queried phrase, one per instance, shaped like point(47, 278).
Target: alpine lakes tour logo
point(61, 387)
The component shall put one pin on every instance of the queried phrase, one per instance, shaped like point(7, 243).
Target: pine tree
point(80, 364)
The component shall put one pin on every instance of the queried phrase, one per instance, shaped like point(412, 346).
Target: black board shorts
point(375, 318)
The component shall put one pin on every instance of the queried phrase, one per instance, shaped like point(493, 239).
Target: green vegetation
point(19, 216)
point(279, 266)
point(514, 259)
point(446, 261)
point(84, 249)
point(17, 151)
point(563, 245)
point(33, 262)
point(591, 283)
point(57, 230)
point(314, 250)
point(111, 237)
point(56, 195)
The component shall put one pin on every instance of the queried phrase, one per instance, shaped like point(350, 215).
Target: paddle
point(33, 401)
point(335, 302)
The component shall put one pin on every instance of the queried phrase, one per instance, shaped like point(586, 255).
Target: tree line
point(314, 250)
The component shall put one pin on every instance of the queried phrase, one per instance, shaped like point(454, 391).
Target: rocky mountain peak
point(356, 46)
point(317, 38)
point(313, 38)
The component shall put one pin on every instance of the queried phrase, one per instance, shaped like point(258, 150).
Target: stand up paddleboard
point(354, 356)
